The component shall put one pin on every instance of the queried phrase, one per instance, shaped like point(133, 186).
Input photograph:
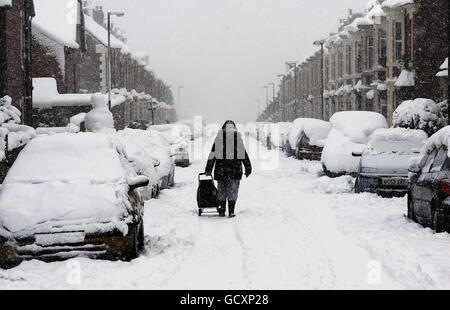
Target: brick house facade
point(15, 55)
point(367, 60)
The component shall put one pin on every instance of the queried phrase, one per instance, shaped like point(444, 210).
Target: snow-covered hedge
point(18, 135)
point(420, 113)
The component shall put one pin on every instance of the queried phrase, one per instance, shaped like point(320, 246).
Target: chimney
point(99, 15)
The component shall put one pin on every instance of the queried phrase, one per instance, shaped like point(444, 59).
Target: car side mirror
point(138, 182)
point(156, 163)
point(356, 154)
point(414, 170)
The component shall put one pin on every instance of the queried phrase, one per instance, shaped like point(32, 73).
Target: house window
point(341, 63)
point(370, 53)
point(398, 41)
point(349, 59)
point(383, 47)
point(358, 57)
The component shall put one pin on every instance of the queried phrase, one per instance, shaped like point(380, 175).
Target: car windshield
point(405, 146)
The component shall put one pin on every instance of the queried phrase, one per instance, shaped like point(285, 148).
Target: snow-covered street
point(294, 229)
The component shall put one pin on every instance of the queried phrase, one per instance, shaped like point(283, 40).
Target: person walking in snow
point(227, 156)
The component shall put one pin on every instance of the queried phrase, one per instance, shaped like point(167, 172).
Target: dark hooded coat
point(228, 155)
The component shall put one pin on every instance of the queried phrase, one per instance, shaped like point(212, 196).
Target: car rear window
point(439, 160)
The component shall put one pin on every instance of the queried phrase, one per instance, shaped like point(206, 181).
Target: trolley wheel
point(200, 212)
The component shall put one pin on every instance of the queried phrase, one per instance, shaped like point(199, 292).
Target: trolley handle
point(207, 175)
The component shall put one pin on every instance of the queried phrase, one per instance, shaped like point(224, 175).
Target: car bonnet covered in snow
point(350, 132)
point(389, 150)
point(316, 130)
point(60, 178)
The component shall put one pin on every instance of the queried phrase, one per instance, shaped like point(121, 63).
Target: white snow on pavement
point(295, 229)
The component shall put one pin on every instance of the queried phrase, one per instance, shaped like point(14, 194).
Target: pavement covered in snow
point(295, 229)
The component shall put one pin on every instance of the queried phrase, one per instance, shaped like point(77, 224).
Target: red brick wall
point(431, 46)
point(46, 65)
point(14, 77)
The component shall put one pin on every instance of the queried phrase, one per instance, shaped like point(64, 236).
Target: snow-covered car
point(429, 183)
point(177, 136)
point(263, 134)
point(143, 163)
point(71, 195)
point(350, 132)
point(308, 137)
point(384, 163)
point(280, 137)
point(154, 143)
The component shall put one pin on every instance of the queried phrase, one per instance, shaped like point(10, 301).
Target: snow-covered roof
point(406, 79)
point(141, 57)
point(101, 34)
point(443, 69)
point(392, 4)
point(57, 20)
point(444, 64)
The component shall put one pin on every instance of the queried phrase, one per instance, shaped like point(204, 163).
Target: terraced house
point(377, 59)
point(51, 63)
point(15, 53)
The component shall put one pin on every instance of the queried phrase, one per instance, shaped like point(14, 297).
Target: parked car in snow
point(429, 183)
point(308, 138)
point(181, 154)
point(159, 150)
point(350, 131)
point(279, 137)
point(143, 163)
point(178, 137)
point(71, 195)
point(383, 167)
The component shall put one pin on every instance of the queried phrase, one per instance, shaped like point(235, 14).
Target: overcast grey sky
point(224, 51)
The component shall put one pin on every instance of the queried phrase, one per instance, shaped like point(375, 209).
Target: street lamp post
point(282, 98)
point(108, 70)
point(321, 43)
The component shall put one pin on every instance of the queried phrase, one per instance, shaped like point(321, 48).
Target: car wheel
point(132, 252)
point(357, 189)
point(411, 215)
point(141, 236)
point(437, 224)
